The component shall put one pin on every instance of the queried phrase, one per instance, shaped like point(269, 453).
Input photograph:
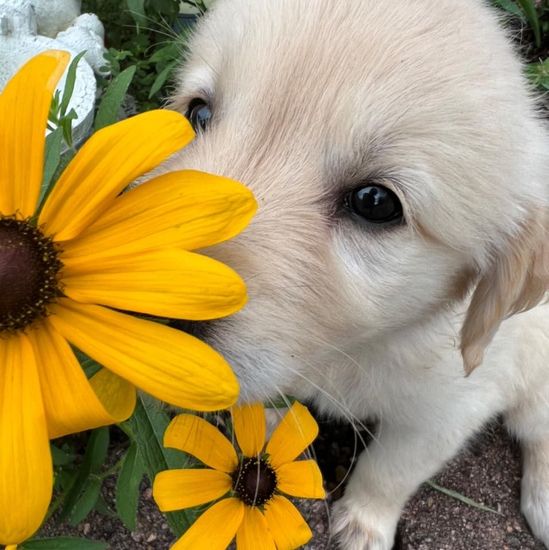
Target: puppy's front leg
point(388, 472)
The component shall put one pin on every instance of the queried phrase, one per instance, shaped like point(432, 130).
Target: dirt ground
point(487, 471)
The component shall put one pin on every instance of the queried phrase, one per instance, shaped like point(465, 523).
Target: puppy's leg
point(389, 472)
point(530, 422)
point(535, 487)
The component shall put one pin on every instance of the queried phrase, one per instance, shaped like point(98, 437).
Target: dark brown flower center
point(254, 482)
point(29, 268)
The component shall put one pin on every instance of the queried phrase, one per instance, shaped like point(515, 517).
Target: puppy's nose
point(198, 329)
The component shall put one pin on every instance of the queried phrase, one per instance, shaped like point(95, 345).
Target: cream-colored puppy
point(402, 173)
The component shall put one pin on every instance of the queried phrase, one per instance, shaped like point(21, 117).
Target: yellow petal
point(70, 403)
point(286, 524)
point(193, 435)
point(26, 477)
point(110, 160)
point(215, 528)
point(168, 283)
point(254, 533)
point(187, 209)
point(24, 107)
point(249, 426)
point(179, 489)
point(292, 436)
point(300, 479)
point(116, 394)
point(167, 363)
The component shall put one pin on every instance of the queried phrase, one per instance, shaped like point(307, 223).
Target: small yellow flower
point(89, 247)
point(252, 482)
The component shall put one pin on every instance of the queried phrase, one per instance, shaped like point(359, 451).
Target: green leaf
point(61, 457)
point(98, 448)
point(146, 428)
point(510, 6)
point(127, 487)
point(108, 110)
point(90, 366)
point(54, 145)
point(137, 11)
point(103, 507)
point(462, 498)
point(66, 125)
point(62, 543)
point(69, 84)
point(94, 458)
point(87, 501)
point(529, 7)
point(65, 159)
point(161, 79)
point(538, 73)
point(170, 52)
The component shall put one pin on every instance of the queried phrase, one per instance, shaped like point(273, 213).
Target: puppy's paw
point(357, 526)
point(535, 507)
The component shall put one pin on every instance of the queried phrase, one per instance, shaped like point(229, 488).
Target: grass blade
point(462, 498)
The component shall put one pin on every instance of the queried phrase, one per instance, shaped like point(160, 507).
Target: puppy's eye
point(199, 114)
point(375, 204)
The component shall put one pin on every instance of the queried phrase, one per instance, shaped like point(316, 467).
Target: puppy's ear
point(516, 281)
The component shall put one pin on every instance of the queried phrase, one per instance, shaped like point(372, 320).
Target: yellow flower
point(253, 508)
point(89, 247)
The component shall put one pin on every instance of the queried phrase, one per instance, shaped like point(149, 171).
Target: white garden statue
point(28, 27)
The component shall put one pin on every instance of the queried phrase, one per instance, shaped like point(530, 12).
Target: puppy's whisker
point(356, 436)
point(345, 411)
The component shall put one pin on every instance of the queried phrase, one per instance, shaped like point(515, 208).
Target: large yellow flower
point(89, 247)
point(254, 509)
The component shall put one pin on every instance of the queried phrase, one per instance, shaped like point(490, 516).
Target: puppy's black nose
point(198, 329)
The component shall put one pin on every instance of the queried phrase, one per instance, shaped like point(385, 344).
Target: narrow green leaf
point(69, 84)
point(103, 507)
point(108, 110)
point(127, 487)
point(146, 428)
point(62, 543)
point(170, 52)
point(161, 79)
point(61, 457)
point(530, 9)
point(66, 125)
point(54, 145)
point(510, 6)
point(462, 498)
point(137, 10)
point(95, 455)
point(90, 366)
point(87, 501)
point(66, 157)
point(99, 445)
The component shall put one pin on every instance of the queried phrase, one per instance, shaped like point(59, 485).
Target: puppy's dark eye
point(375, 204)
point(199, 114)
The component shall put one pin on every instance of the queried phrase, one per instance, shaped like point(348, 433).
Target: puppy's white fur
point(312, 98)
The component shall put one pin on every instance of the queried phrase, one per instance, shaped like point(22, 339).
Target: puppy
point(401, 169)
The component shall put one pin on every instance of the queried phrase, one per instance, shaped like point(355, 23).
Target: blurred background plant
point(531, 19)
point(149, 35)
